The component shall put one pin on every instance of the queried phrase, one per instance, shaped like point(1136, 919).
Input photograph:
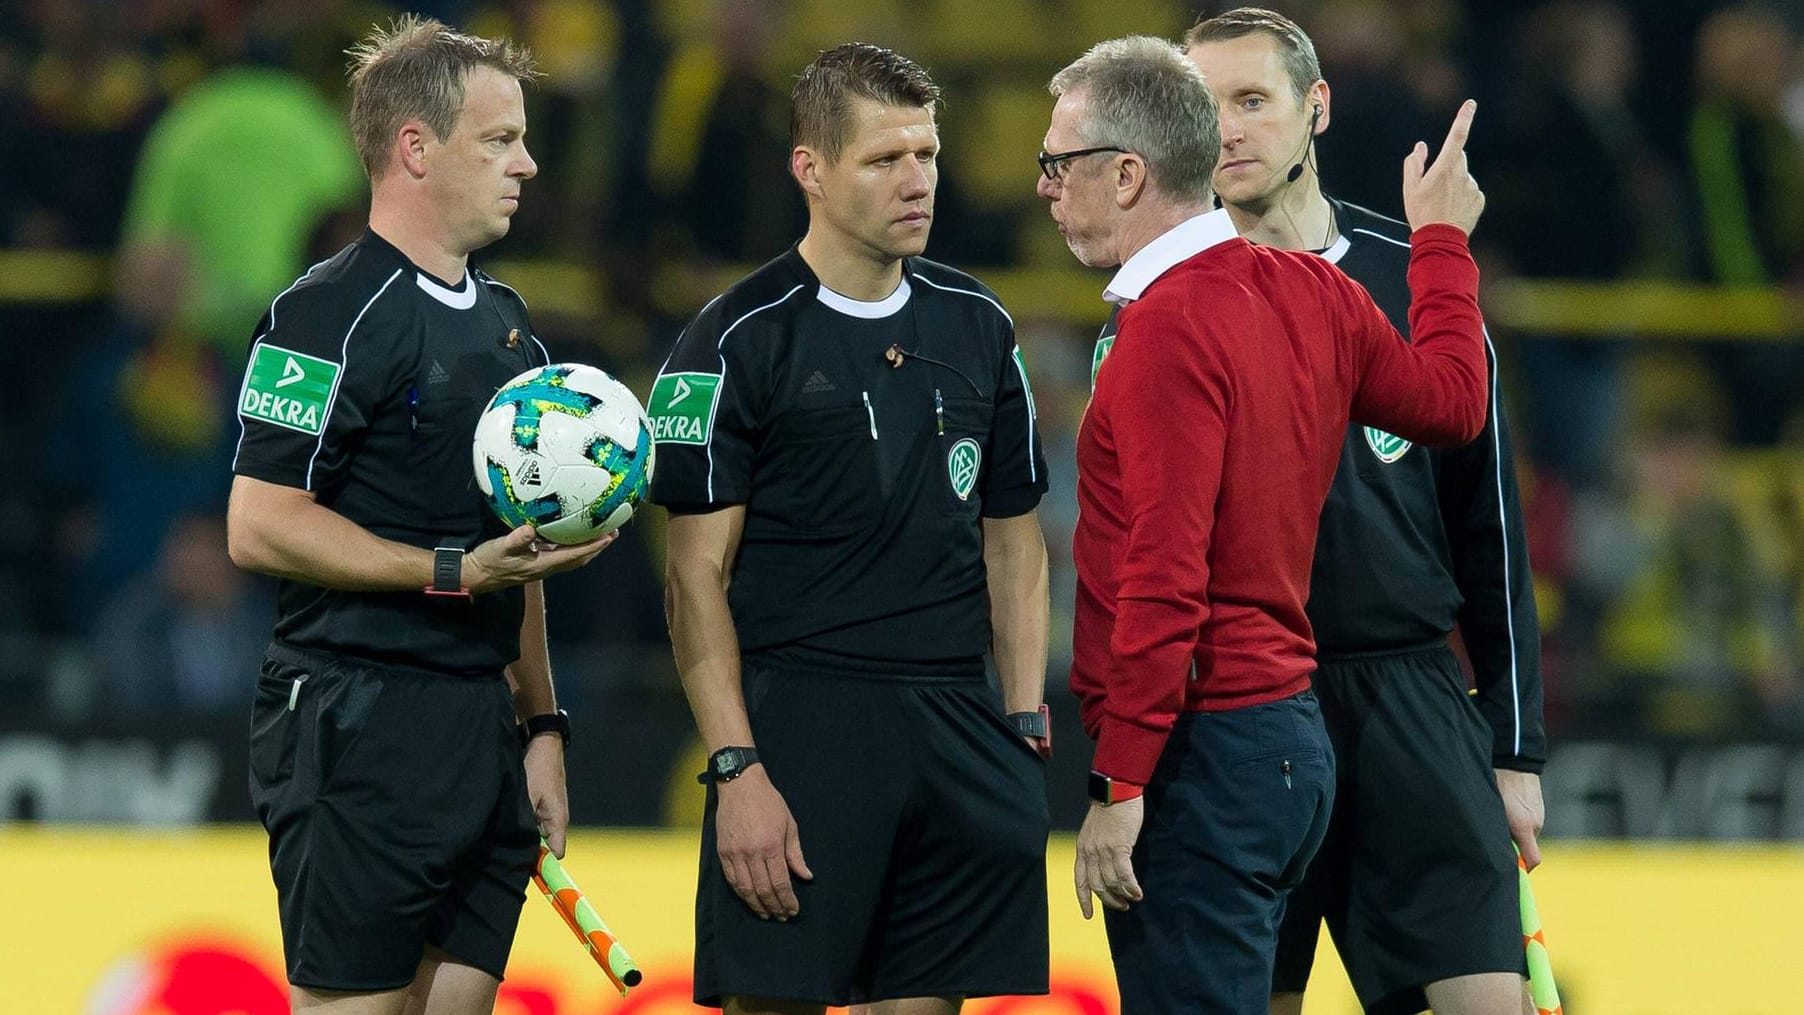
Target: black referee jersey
point(365, 381)
point(1415, 539)
point(864, 475)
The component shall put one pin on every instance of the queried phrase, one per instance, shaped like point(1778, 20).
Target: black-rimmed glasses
point(1050, 163)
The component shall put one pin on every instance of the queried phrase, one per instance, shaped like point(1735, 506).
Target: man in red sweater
point(1203, 462)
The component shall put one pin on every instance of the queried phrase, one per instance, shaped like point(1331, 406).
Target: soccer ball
point(565, 448)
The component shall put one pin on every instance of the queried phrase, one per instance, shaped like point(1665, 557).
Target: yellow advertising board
point(104, 921)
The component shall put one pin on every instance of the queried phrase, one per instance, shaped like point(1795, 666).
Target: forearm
point(530, 675)
point(281, 532)
point(1445, 323)
point(707, 658)
point(1015, 558)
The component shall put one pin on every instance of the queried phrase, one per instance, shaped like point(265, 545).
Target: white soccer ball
point(565, 448)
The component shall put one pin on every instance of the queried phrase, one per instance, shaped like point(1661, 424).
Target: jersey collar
point(868, 309)
point(1169, 249)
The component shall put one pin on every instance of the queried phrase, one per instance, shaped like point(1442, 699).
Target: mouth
point(915, 218)
point(1233, 164)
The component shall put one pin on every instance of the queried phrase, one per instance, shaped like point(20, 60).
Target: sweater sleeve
point(1170, 477)
point(1432, 391)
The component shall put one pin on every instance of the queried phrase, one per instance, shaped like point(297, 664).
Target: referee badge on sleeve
point(962, 462)
point(290, 389)
point(682, 407)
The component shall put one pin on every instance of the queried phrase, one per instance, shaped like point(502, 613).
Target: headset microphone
point(1296, 171)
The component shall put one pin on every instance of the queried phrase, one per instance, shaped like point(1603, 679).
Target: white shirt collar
point(461, 298)
point(1170, 248)
point(1337, 250)
point(867, 309)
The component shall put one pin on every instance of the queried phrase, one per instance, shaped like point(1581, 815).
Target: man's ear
point(411, 143)
point(805, 164)
point(1131, 177)
point(1318, 99)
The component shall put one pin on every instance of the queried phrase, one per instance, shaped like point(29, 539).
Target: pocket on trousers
point(275, 726)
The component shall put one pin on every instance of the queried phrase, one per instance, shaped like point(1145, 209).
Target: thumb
point(520, 539)
point(792, 852)
point(1531, 851)
point(1415, 163)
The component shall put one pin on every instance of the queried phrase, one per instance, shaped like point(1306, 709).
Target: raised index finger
point(1461, 129)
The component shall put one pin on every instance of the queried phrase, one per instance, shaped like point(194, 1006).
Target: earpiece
point(1296, 171)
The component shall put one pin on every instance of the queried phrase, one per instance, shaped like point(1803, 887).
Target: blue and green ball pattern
point(618, 443)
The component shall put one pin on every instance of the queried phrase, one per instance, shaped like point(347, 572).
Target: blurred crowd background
point(175, 163)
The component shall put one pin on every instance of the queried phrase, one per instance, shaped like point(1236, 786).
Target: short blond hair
point(415, 70)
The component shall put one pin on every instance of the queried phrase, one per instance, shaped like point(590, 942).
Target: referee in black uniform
point(386, 760)
point(847, 446)
point(1416, 879)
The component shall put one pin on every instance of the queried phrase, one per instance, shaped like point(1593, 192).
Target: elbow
point(245, 544)
point(246, 551)
point(686, 581)
point(1471, 425)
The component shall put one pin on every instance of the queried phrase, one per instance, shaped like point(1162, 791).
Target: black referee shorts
point(923, 817)
point(398, 817)
point(1417, 879)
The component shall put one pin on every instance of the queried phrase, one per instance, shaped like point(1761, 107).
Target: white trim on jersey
point(1033, 470)
point(1381, 236)
point(535, 339)
point(1338, 249)
point(252, 360)
point(344, 363)
point(456, 299)
point(1503, 518)
point(720, 348)
point(497, 282)
point(1503, 531)
point(969, 292)
point(869, 310)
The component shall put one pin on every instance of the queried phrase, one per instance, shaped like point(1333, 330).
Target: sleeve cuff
point(1128, 752)
point(1443, 231)
point(1013, 503)
point(1517, 763)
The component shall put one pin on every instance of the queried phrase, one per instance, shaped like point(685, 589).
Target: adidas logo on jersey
point(817, 381)
point(438, 374)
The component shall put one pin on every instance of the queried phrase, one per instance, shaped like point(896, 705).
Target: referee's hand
point(520, 557)
point(1445, 191)
point(1105, 855)
point(759, 845)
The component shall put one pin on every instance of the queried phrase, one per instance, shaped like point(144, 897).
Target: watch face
point(726, 762)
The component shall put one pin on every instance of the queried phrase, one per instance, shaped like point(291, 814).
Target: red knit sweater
point(1205, 456)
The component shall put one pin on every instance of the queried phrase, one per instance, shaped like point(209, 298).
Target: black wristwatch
point(448, 573)
point(1035, 726)
point(1108, 792)
point(727, 764)
point(550, 722)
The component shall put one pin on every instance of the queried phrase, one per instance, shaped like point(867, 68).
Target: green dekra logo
point(290, 389)
point(682, 408)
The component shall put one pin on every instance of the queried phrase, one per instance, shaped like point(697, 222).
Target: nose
point(524, 167)
point(1231, 135)
point(1046, 188)
point(916, 184)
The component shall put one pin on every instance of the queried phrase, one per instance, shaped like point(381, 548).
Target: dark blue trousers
point(1236, 808)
